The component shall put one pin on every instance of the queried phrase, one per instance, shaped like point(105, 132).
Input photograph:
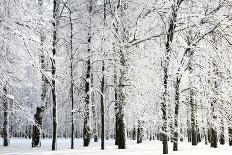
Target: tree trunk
point(95, 123)
point(230, 136)
point(165, 66)
point(222, 134)
point(72, 80)
point(176, 123)
point(213, 138)
point(37, 128)
point(189, 130)
point(86, 129)
point(38, 117)
point(121, 135)
point(54, 50)
point(140, 132)
point(5, 130)
point(134, 134)
point(102, 108)
point(116, 106)
point(193, 119)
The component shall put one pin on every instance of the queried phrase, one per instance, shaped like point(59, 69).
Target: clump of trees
point(116, 69)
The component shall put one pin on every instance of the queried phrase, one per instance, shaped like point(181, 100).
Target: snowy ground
point(23, 147)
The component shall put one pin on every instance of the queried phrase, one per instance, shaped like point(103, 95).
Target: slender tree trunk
point(5, 130)
point(176, 123)
point(222, 134)
point(116, 106)
point(213, 129)
point(193, 119)
point(95, 123)
point(230, 136)
point(206, 137)
point(213, 110)
point(86, 130)
point(102, 108)
point(134, 134)
point(72, 80)
point(165, 65)
point(140, 132)
point(189, 131)
point(54, 50)
point(191, 99)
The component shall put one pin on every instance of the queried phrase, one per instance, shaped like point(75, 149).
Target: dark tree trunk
point(222, 134)
point(165, 66)
point(209, 135)
point(140, 132)
point(95, 135)
point(205, 136)
point(189, 131)
point(230, 136)
point(5, 130)
point(37, 128)
point(54, 102)
point(116, 106)
point(121, 133)
point(176, 123)
point(134, 134)
point(86, 129)
point(72, 80)
point(213, 138)
point(198, 135)
point(193, 119)
point(102, 108)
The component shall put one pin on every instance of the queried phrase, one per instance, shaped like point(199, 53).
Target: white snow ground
point(23, 147)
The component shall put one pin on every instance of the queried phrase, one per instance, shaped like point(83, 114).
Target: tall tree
point(37, 128)
point(86, 129)
point(102, 108)
point(176, 117)
point(165, 65)
point(56, 5)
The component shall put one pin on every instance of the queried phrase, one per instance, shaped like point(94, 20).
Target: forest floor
point(23, 147)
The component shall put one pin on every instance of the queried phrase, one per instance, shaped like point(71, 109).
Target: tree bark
point(230, 136)
point(116, 106)
point(37, 128)
point(102, 108)
point(193, 119)
point(222, 134)
point(53, 67)
point(86, 129)
point(121, 134)
point(177, 103)
point(165, 66)
point(72, 79)
point(140, 132)
point(5, 130)
point(213, 137)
